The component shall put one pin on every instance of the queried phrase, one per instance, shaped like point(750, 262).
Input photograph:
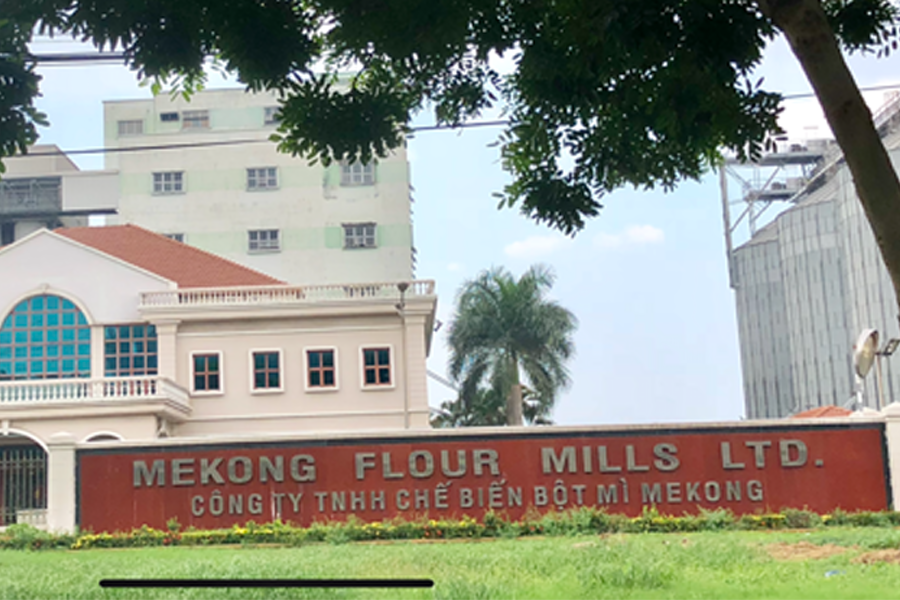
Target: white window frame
point(176, 237)
point(128, 124)
point(281, 370)
point(270, 115)
point(218, 392)
point(195, 119)
point(362, 368)
point(161, 191)
point(263, 245)
point(166, 117)
point(337, 378)
point(353, 230)
point(357, 174)
point(262, 179)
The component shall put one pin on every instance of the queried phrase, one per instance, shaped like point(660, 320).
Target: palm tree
point(505, 329)
point(487, 408)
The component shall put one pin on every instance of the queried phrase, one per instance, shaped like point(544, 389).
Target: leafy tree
point(503, 328)
point(639, 92)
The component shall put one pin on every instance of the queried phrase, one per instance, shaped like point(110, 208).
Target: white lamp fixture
point(864, 351)
point(865, 354)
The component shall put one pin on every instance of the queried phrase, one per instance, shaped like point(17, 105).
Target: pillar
point(98, 351)
point(61, 482)
point(167, 347)
point(414, 367)
point(892, 436)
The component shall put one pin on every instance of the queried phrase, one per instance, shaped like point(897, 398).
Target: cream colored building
point(206, 173)
point(117, 333)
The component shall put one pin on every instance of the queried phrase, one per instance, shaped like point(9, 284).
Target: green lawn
point(697, 565)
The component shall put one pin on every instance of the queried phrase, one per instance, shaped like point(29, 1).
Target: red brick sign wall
point(745, 470)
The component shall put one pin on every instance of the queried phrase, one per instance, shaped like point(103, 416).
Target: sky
point(647, 279)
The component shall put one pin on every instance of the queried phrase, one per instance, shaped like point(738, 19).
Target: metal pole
point(879, 382)
point(858, 394)
point(726, 216)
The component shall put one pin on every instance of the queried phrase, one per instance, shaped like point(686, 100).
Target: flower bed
point(570, 522)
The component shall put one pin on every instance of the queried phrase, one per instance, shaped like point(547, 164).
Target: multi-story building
point(806, 285)
point(205, 172)
point(46, 189)
point(117, 333)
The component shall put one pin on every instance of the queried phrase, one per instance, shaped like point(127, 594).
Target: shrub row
point(585, 520)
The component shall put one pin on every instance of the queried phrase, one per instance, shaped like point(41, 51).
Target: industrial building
point(810, 280)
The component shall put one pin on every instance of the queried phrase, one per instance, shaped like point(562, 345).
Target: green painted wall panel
point(391, 172)
point(297, 176)
point(220, 242)
point(393, 235)
point(135, 183)
point(303, 239)
point(211, 181)
point(249, 117)
point(334, 237)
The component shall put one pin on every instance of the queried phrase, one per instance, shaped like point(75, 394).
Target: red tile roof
point(187, 266)
point(823, 411)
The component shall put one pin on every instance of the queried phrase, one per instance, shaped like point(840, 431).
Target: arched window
point(45, 337)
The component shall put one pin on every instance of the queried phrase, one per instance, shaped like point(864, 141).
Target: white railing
point(36, 517)
point(90, 390)
point(886, 110)
point(282, 294)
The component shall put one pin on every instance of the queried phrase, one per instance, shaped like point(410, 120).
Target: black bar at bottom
point(266, 583)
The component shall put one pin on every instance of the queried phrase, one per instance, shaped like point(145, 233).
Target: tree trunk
point(514, 406)
point(815, 46)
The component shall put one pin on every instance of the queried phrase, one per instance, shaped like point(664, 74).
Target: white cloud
point(536, 246)
point(636, 235)
point(455, 267)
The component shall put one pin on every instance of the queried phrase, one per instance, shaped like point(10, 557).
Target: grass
point(697, 565)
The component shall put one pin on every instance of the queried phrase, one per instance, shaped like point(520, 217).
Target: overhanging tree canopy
point(640, 92)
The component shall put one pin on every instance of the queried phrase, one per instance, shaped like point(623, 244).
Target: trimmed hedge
point(585, 520)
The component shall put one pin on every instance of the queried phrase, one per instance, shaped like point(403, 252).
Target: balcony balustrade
point(283, 294)
point(112, 389)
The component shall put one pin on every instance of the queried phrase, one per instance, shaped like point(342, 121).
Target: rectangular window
point(376, 366)
point(357, 173)
point(178, 237)
point(207, 371)
point(168, 117)
point(271, 115)
point(130, 350)
point(266, 370)
point(131, 127)
point(320, 369)
point(168, 182)
point(263, 178)
point(195, 119)
point(359, 235)
point(263, 240)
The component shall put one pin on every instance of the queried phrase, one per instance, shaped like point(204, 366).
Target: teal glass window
point(39, 331)
point(320, 368)
point(266, 370)
point(377, 366)
point(207, 375)
point(130, 350)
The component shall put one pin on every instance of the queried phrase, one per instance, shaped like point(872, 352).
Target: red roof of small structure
point(823, 411)
point(187, 266)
